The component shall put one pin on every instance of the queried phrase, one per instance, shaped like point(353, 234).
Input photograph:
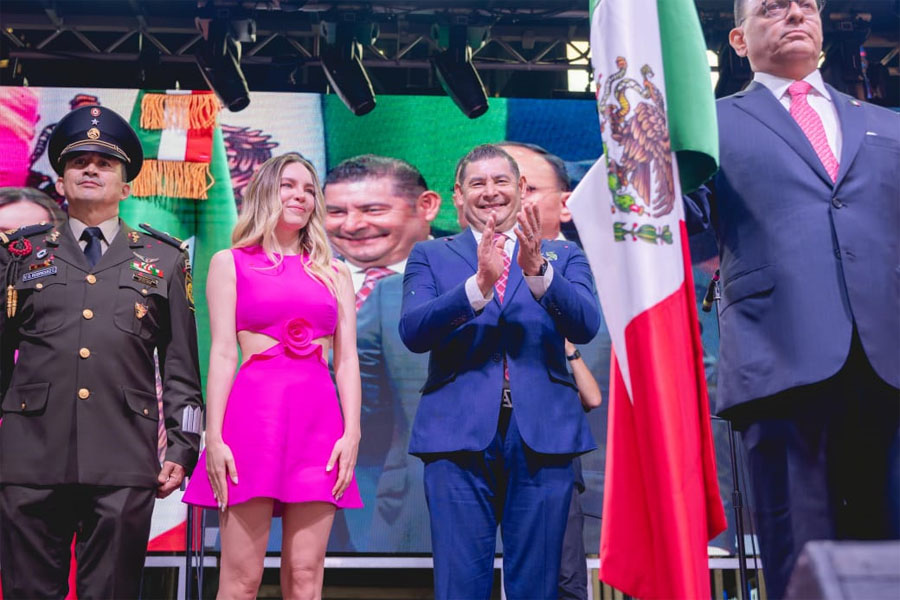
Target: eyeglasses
point(777, 9)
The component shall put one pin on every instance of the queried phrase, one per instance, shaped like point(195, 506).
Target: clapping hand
point(490, 258)
point(529, 233)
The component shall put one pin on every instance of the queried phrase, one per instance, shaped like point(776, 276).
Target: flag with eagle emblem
point(657, 117)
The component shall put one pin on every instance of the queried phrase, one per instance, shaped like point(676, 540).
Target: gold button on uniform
point(91, 278)
point(87, 313)
point(39, 286)
point(83, 393)
point(144, 291)
point(146, 412)
point(84, 353)
point(23, 406)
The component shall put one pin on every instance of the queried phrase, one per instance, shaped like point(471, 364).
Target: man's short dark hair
point(484, 152)
point(11, 195)
point(559, 167)
point(408, 181)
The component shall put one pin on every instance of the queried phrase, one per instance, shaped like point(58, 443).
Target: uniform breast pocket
point(141, 304)
point(42, 298)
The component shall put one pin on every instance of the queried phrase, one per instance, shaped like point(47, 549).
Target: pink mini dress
point(283, 417)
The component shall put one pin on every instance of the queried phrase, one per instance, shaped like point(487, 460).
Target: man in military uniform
point(85, 305)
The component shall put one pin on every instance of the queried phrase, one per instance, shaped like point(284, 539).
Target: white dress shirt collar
point(779, 85)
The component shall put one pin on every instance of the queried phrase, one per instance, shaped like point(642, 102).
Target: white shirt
point(109, 228)
point(538, 284)
point(819, 99)
point(358, 274)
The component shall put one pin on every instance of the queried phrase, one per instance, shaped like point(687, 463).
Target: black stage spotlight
point(219, 59)
point(455, 70)
point(342, 62)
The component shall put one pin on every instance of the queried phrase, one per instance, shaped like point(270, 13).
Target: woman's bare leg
point(306, 527)
point(245, 531)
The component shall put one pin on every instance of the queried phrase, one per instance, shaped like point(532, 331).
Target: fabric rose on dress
point(297, 337)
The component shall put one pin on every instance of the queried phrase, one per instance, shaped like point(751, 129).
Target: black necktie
point(92, 235)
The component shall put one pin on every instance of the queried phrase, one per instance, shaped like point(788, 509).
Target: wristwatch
point(543, 270)
point(574, 356)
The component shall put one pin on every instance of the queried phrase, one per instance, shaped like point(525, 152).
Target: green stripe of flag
point(693, 128)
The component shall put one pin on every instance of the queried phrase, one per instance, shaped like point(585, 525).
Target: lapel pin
point(41, 253)
point(133, 237)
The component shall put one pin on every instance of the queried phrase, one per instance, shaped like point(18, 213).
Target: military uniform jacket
point(79, 404)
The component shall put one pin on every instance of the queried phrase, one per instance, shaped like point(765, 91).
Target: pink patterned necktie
point(811, 124)
point(373, 274)
point(500, 286)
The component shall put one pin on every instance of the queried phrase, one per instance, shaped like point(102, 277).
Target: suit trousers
point(824, 464)
point(573, 568)
point(111, 526)
point(470, 493)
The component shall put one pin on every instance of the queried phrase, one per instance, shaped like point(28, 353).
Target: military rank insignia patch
point(133, 237)
point(189, 288)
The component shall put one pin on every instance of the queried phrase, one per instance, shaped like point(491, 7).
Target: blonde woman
point(276, 442)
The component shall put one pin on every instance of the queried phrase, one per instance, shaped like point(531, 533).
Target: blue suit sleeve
point(426, 315)
point(571, 300)
point(697, 210)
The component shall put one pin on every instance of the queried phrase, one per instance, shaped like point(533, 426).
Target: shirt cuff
point(473, 293)
point(539, 284)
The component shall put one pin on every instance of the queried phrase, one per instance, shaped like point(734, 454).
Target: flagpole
point(738, 505)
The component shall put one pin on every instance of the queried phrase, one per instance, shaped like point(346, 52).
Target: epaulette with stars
point(23, 232)
point(165, 237)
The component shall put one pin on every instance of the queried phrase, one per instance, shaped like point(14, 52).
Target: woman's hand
point(220, 466)
point(344, 454)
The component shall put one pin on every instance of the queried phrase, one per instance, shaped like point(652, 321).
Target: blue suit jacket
point(803, 258)
point(460, 403)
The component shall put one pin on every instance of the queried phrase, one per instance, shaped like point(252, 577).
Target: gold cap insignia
point(93, 133)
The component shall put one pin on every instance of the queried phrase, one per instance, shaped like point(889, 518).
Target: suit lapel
point(118, 252)
point(853, 129)
point(68, 249)
point(760, 103)
point(464, 245)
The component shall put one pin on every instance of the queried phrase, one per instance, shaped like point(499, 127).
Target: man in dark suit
point(377, 208)
point(86, 304)
point(807, 209)
point(499, 420)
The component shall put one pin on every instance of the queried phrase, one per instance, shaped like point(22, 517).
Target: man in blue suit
point(807, 210)
point(499, 420)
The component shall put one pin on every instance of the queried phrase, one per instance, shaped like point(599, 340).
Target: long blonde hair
point(261, 210)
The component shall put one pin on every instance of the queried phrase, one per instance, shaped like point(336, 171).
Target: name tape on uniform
point(38, 274)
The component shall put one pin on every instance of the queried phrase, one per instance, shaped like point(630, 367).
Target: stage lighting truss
point(341, 57)
point(454, 68)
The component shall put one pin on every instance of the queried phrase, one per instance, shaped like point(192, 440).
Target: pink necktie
point(373, 274)
point(811, 124)
point(500, 288)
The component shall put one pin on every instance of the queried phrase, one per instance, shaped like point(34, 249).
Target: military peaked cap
point(96, 129)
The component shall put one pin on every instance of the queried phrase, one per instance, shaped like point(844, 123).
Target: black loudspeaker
point(845, 570)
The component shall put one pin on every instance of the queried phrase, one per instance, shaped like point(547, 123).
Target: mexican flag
point(184, 189)
point(657, 118)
